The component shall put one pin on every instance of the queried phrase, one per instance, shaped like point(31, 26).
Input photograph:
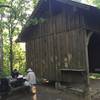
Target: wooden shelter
point(64, 43)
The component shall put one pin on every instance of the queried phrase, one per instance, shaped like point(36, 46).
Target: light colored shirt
point(31, 78)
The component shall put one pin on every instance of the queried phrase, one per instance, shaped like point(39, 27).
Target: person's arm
point(27, 77)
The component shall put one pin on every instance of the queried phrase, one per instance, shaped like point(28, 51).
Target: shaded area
point(43, 93)
point(50, 93)
point(94, 53)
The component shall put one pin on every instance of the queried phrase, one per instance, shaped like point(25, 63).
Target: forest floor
point(50, 93)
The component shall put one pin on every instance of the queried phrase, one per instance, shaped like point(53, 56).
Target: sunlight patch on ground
point(94, 76)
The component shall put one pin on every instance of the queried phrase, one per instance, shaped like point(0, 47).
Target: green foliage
point(12, 20)
point(95, 2)
point(35, 21)
point(94, 76)
point(2, 1)
point(35, 2)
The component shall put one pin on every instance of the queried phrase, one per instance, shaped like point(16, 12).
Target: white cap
point(29, 70)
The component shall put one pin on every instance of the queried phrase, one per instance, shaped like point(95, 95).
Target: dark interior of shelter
point(94, 53)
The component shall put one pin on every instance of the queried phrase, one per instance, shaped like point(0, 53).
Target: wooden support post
point(87, 84)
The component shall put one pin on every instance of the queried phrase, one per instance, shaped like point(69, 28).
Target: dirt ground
point(50, 93)
point(43, 93)
point(95, 89)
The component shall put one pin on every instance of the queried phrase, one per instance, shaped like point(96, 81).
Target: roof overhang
point(55, 6)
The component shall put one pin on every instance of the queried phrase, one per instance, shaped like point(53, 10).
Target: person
point(31, 80)
point(15, 73)
point(30, 77)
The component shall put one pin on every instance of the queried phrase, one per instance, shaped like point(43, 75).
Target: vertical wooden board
point(53, 67)
point(30, 53)
point(61, 46)
point(36, 44)
point(58, 23)
point(82, 42)
point(37, 56)
point(71, 53)
point(55, 47)
point(43, 56)
point(27, 54)
point(41, 28)
point(80, 36)
point(78, 41)
point(83, 32)
point(81, 48)
point(58, 51)
point(76, 20)
point(46, 58)
point(50, 25)
point(59, 57)
point(45, 32)
point(74, 34)
point(81, 20)
point(65, 48)
point(53, 24)
point(40, 51)
point(47, 51)
point(69, 26)
point(28, 50)
point(51, 58)
point(74, 48)
point(71, 20)
point(49, 62)
point(42, 64)
point(69, 49)
point(46, 26)
point(40, 57)
point(55, 55)
point(64, 21)
point(31, 62)
point(65, 36)
point(33, 55)
point(67, 21)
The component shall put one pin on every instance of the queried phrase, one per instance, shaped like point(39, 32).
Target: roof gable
point(54, 5)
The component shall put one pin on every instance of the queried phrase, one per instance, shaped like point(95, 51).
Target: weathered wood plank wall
point(59, 43)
